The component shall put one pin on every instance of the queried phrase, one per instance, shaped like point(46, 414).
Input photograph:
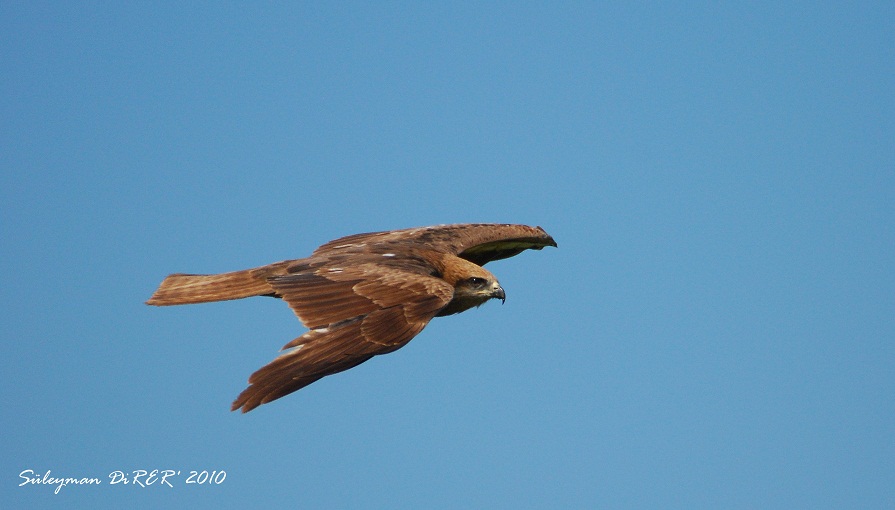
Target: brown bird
point(361, 295)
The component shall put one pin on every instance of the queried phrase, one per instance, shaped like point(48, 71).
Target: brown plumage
point(361, 295)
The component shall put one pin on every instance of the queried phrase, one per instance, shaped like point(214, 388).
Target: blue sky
point(715, 330)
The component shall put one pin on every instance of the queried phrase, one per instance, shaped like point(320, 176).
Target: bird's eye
point(478, 282)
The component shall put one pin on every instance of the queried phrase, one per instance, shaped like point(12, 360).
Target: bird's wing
point(479, 243)
point(355, 311)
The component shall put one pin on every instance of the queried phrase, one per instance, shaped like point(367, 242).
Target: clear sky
point(715, 329)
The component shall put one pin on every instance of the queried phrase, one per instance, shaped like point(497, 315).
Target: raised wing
point(355, 311)
point(479, 243)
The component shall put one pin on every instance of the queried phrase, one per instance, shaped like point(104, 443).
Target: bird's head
point(473, 285)
point(480, 287)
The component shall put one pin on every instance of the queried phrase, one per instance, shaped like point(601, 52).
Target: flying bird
point(361, 295)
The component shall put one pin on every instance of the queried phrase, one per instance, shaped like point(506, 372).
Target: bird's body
point(361, 295)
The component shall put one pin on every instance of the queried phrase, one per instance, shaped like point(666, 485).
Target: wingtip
point(548, 241)
point(243, 407)
point(549, 238)
point(243, 403)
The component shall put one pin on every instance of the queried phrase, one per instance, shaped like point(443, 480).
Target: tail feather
point(182, 289)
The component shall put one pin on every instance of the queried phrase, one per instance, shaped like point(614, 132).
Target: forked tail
point(182, 289)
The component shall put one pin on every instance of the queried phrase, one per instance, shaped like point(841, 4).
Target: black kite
point(361, 295)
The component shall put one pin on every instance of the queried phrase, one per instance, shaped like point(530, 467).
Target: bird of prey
point(361, 295)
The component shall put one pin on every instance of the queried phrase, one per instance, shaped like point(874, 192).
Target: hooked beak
point(499, 294)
